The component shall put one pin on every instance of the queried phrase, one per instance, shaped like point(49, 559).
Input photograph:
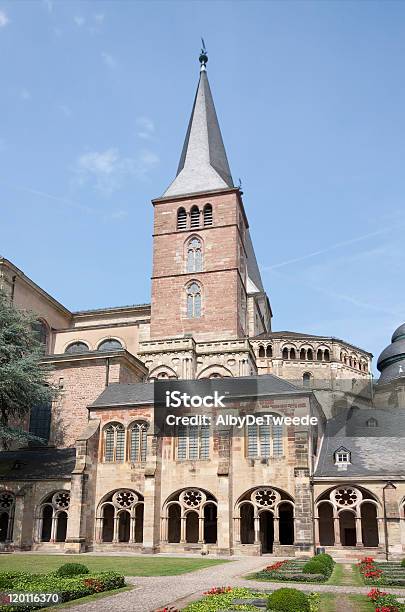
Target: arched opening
point(192, 527)
point(46, 530)
point(292, 353)
point(262, 351)
point(319, 355)
point(303, 354)
point(326, 355)
point(109, 345)
point(306, 379)
point(123, 526)
point(194, 217)
point(181, 219)
point(347, 525)
point(326, 525)
point(208, 214)
point(3, 526)
point(310, 355)
point(269, 351)
point(139, 523)
point(174, 524)
point(247, 524)
point(77, 347)
point(285, 353)
point(369, 526)
point(61, 527)
point(210, 524)
point(286, 524)
point(266, 520)
point(108, 523)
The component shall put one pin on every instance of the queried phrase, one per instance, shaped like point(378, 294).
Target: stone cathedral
point(105, 482)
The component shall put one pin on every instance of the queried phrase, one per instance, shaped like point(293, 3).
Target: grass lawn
point(129, 566)
point(335, 603)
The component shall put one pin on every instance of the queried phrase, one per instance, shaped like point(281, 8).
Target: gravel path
point(157, 591)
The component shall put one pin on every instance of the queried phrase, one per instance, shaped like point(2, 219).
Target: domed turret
point(391, 362)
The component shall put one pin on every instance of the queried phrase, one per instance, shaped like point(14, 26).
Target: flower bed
point(317, 569)
point(384, 602)
point(235, 599)
point(69, 588)
point(388, 574)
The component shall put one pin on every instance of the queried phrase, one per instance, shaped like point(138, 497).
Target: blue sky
point(94, 102)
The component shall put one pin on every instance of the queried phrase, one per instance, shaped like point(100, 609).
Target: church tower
point(202, 248)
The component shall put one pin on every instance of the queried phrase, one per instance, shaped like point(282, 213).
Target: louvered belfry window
point(194, 217)
point(208, 215)
point(181, 219)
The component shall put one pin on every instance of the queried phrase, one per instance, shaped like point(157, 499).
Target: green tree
point(23, 376)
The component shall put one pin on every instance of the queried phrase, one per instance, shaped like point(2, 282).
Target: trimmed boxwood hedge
point(72, 569)
point(288, 600)
point(69, 588)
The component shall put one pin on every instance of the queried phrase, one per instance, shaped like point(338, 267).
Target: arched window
point(194, 217)
point(109, 345)
point(194, 301)
point(319, 355)
point(292, 353)
point(269, 351)
point(181, 219)
point(306, 379)
point(77, 347)
point(285, 353)
point(310, 355)
point(137, 441)
point(195, 510)
point(194, 255)
point(303, 354)
point(193, 442)
point(326, 355)
point(262, 352)
point(119, 517)
point(264, 440)
point(41, 332)
point(114, 442)
point(207, 214)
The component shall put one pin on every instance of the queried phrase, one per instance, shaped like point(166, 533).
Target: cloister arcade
point(189, 517)
point(265, 516)
point(7, 505)
point(52, 517)
point(119, 517)
point(348, 516)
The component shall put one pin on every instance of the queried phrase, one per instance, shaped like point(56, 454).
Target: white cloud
point(4, 20)
point(108, 60)
point(79, 20)
point(108, 170)
point(25, 94)
point(145, 127)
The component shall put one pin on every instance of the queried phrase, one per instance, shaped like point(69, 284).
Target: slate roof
point(119, 394)
point(37, 463)
point(203, 163)
point(375, 451)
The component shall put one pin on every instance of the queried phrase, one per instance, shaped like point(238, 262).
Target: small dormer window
point(342, 456)
point(372, 422)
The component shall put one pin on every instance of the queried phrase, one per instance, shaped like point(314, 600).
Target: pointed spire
point(203, 163)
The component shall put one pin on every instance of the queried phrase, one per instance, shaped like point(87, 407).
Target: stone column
point(116, 529)
point(15, 527)
point(236, 529)
point(183, 530)
point(303, 526)
point(201, 530)
point(359, 538)
point(132, 525)
point(257, 529)
point(53, 528)
point(336, 526)
point(276, 525)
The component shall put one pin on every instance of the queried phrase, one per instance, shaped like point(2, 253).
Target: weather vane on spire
point(203, 56)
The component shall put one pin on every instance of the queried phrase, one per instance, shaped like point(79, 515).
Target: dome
point(391, 362)
point(399, 333)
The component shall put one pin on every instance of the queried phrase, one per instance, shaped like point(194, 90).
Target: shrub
point(326, 559)
point(71, 569)
point(313, 566)
point(288, 600)
point(403, 562)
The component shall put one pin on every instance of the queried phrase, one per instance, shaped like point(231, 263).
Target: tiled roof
point(37, 463)
point(375, 451)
